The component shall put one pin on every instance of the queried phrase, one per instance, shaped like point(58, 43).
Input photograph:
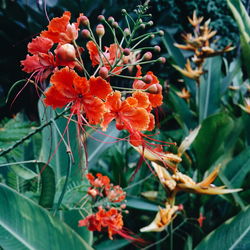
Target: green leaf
point(112, 244)
point(141, 204)
point(233, 234)
point(20, 219)
point(178, 58)
point(210, 88)
point(48, 186)
point(243, 21)
point(182, 112)
point(237, 169)
point(24, 172)
point(211, 140)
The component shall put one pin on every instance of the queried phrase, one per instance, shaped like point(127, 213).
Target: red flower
point(42, 62)
point(108, 57)
point(60, 30)
point(128, 114)
point(111, 219)
point(99, 182)
point(84, 95)
point(155, 99)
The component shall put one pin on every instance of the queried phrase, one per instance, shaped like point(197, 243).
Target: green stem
point(3, 152)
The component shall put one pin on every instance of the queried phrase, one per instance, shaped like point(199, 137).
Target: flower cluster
point(89, 94)
point(109, 214)
point(199, 43)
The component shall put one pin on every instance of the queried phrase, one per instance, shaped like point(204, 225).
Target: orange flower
point(109, 57)
point(60, 30)
point(84, 95)
point(155, 99)
point(41, 62)
point(101, 181)
point(115, 194)
point(128, 113)
point(111, 219)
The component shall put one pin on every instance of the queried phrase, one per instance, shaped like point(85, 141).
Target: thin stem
point(20, 162)
point(65, 183)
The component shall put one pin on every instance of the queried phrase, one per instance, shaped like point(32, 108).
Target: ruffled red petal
point(99, 87)
point(155, 100)
point(31, 63)
point(55, 99)
point(94, 109)
point(113, 102)
point(40, 45)
point(63, 80)
point(93, 52)
point(142, 98)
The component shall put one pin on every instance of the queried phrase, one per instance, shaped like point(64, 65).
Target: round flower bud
point(85, 33)
point(103, 72)
point(111, 19)
point(152, 36)
point(93, 192)
point(100, 18)
point(115, 25)
point(147, 56)
point(100, 31)
point(154, 89)
point(123, 11)
point(84, 21)
point(161, 60)
point(126, 32)
point(161, 33)
point(66, 52)
point(139, 84)
point(126, 51)
point(157, 48)
point(123, 206)
point(150, 23)
point(147, 79)
point(142, 25)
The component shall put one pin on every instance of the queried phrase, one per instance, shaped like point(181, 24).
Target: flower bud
point(152, 36)
point(85, 33)
point(103, 72)
point(150, 23)
point(93, 192)
point(157, 48)
point(100, 31)
point(161, 60)
point(161, 33)
point(139, 84)
point(147, 56)
point(123, 206)
point(111, 19)
point(126, 32)
point(124, 11)
point(84, 21)
point(126, 51)
point(100, 18)
point(155, 88)
point(142, 25)
point(147, 78)
point(66, 52)
point(115, 25)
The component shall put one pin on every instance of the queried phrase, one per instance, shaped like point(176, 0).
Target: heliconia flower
point(189, 72)
point(155, 99)
point(184, 93)
point(129, 114)
point(42, 62)
point(60, 30)
point(158, 156)
point(86, 96)
point(186, 184)
point(246, 106)
point(163, 218)
point(111, 220)
point(109, 57)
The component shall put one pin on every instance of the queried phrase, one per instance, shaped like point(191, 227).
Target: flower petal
point(40, 45)
point(99, 87)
